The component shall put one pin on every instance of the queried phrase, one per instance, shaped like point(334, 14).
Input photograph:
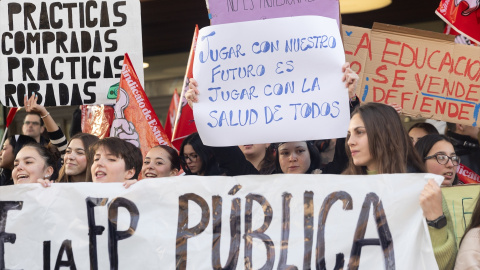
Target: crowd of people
point(376, 143)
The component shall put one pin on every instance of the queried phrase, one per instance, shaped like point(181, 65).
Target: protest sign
point(283, 78)
point(426, 73)
point(323, 222)
point(230, 11)
point(461, 201)
point(68, 52)
point(358, 51)
point(135, 119)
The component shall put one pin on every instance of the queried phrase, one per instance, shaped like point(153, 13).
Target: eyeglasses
point(27, 123)
point(442, 159)
point(191, 157)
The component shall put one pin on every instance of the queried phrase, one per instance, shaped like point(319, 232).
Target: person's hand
point(350, 78)
point(396, 107)
point(32, 106)
point(45, 182)
point(431, 200)
point(192, 94)
point(128, 183)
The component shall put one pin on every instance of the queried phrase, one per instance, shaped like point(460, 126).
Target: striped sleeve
point(58, 139)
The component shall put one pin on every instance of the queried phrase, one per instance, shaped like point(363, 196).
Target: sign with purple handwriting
point(279, 80)
point(229, 11)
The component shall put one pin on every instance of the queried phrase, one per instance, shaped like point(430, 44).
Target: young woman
point(439, 156)
point(114, 160)
point(34, 162)
point(161, 161)
point(10, 148)
point(198, 159)
point(297, 158)
point(420, 130)
point(74, 167)
point(262, 156)
point(468, 257)
point(378, 144)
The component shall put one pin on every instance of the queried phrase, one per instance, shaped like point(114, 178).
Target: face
point(194, 162)
point(416, 133)
point(108, 168)
point(75, 159)
point(31, 126)
point(358, 143)
point(157, 164)
point(253, 149)
point(29, 166)
point(447, 170)
point(294, 157)
point(6, 156)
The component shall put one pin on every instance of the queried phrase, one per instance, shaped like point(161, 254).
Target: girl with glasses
point(198, 159)
point(438, 156)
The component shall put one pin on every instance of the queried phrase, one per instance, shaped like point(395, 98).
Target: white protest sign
point(233, 222)
point(68, 52)
point(273, 80)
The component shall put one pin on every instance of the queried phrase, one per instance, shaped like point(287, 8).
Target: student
point(378, 144)
point(10, 148)
point(74, 167)
point(262, 156)
point(114, 160)
point(420, 130)
point(198, 159)
point(161, 161)
point(439, 156)
point(468, 257)
point(34, 162)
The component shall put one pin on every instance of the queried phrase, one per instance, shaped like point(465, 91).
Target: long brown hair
point(87, 140)
point(388, 142)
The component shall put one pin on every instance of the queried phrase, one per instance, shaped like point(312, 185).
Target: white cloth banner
point(67, 52)
point(281, 76)
point(187, 223)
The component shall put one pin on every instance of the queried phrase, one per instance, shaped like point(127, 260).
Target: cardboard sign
point(426, 73)
point(208, 223)
point(68, 52)
point(461, 201)
point(280, 82)
point(230, 11)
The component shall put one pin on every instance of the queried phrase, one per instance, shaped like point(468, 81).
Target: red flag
point(463, 16)
point(460, 39)
point(172, 112)
point(11, 115)
point(466, 175)
point(97, 119)
point(184, 123)
point(135, 120)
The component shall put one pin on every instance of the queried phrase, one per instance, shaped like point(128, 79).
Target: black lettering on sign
point(119, 14)
point(385, 239)
point(93, 229)
point(322, 219)
point(70, 262)
point(183, 232)
point(282, 264)
point(44, 21)
point(113, 235)
point(33, 39)
point(93, 97)
point(28, 9)
point(104, 19)
point(112, 42)
point(54, 23)
point(258, 233)
point(308, 229)
point(13, 8)
point(10, 90)
point(6, 237)
point(13, 63)
point(235, 224)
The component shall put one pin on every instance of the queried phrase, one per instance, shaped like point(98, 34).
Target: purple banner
point(230, 11)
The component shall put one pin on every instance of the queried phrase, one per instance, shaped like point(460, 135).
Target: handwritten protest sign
point(424, 72)
point(461, 201)
point(229, 11)
point(282, 77)
point(233, 222)
point(68, 52)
